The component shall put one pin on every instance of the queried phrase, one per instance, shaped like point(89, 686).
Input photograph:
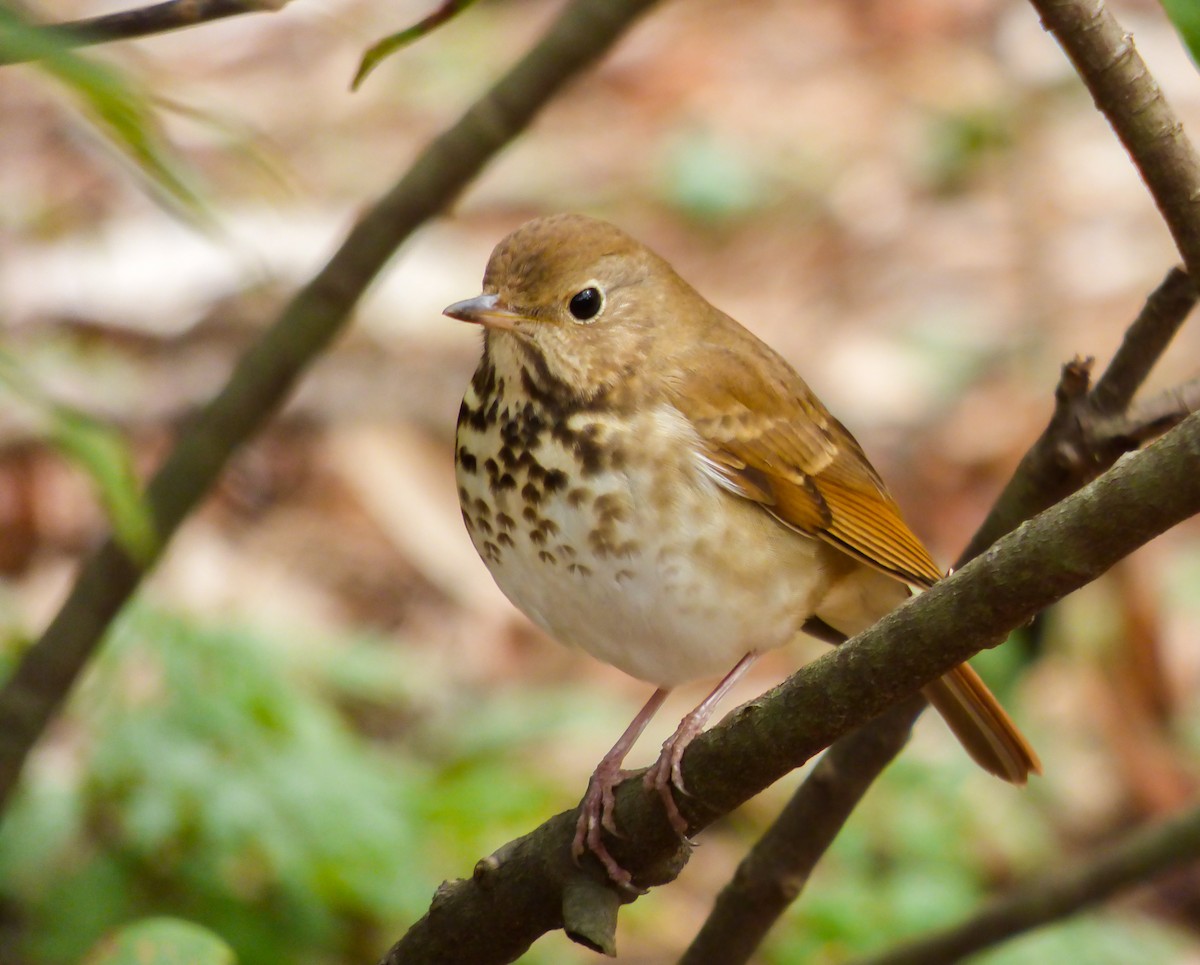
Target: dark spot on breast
point(508, 457)
point(531, 494)
point(547, 557)
point(491, 467)
point(482, 508)
point(490, 552)
point(577, 496)
point(529, 514)
point(579, 569)
point(504, 521)
point(505, 540)
point(507, 481)
point(466, 459)
point(555, 480)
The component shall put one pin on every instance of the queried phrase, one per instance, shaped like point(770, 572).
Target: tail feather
point(982, 726)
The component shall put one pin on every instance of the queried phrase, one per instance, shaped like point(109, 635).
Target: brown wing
point(772, 441)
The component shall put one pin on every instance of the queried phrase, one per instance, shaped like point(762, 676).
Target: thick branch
point(1143, 855)
point(1058, 551)
point(1125, 92)
point(144, 21)
point(775, 872)
point(1094, 422)
point(266, 373)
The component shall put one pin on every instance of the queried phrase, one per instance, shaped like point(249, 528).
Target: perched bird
point(651, 483)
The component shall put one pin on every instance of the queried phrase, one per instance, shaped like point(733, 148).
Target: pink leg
point(665, 772)
point(596, 808)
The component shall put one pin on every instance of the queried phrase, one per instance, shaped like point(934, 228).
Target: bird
point(651, 483)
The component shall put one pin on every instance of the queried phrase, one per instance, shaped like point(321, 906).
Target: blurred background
point(320, 707)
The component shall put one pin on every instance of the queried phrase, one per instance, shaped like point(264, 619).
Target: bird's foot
point(596, 816)
point(665, 775)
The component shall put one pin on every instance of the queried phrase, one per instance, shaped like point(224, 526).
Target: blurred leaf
point(162, 941)
point(709, 178)
point(118, 107)
point(1185, 15)
point(378, 52)
point(100, 452)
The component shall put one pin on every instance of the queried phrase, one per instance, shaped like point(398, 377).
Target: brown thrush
point(648, 481)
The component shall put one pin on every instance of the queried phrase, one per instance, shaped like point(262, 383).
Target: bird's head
point(581, 295)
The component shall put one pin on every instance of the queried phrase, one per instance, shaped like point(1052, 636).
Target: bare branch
point(144, 21)
point(1145, 341)
point(777, 868)
point(266, 373)
point(1142, 856)
point(744, 911)
point(1127, 94)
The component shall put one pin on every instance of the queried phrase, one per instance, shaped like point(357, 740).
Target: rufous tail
point(982, 726)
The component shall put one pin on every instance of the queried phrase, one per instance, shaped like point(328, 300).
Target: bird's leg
point(596, 808)
point(665, 772)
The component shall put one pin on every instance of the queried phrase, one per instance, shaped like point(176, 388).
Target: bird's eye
point(585, 305)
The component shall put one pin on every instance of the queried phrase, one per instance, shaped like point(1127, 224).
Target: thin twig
point(144, 21)
point(1127, 94)
point(777, 868)
point(266, 373)
point(1142, 856)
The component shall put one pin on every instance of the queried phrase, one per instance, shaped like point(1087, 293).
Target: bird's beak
point(486, 310)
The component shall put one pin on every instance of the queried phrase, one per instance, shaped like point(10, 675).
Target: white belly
point(592, 563)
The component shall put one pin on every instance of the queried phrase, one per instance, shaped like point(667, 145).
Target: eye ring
point(586, 304)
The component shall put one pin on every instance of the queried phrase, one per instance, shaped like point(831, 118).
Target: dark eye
point(586, 304)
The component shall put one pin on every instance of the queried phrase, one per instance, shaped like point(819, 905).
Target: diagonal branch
point(741, 917)
point(777, 868)
point(266, 373)
point(1143, 855)
point(516, 897)
point(144, 21)
point(1128, 95)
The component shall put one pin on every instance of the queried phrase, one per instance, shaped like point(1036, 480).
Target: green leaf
point(120, 109)
point(389, 45)
point(162, 941)
point(100, 452)
point(1185, 15)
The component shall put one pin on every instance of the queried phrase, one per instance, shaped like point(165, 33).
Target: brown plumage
point(650, 482)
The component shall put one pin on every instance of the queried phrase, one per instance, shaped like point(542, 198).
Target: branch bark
point(1128, 95)
point(266, 373)
point(495, 917)
point(1095, 428)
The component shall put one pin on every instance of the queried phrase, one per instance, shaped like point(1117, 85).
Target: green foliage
point(380, 51)
point(961, 142)
point(99, 451)
point(919, 853)
point(214, 778)
point(162, 941)
point(710, 179)
point(1185, 15)
point(117, 106)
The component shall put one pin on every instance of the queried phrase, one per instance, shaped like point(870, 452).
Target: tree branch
point(744, 911)
point(1143, 855)
point(266, 373)
point(1058, 551)
point(777, 868)
point(144, 21)
point(1125, 92)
